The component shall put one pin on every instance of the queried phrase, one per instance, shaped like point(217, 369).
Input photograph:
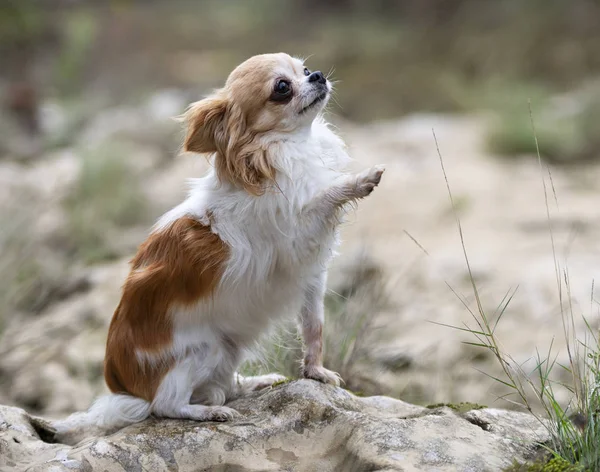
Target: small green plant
point(574, 429)
point(281, 382)
point(462, 407)
point(555, 464)
point(106, 198)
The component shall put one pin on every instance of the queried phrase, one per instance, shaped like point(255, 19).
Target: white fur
point(107, 414)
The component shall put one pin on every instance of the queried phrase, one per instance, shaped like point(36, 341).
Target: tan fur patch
point(176, 266)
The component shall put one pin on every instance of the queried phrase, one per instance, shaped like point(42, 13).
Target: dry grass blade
point(507, 364)
point(416, 242)
point(549, 219)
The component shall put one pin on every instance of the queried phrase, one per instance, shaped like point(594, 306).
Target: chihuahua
point(250, 243)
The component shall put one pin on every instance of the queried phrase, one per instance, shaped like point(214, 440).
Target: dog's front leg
point(319, 217)
point(325, 209)
point(311, 319)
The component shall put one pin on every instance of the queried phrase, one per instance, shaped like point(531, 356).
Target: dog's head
point(268, 94)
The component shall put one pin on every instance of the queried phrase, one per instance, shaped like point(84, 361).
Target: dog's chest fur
point(274, 254)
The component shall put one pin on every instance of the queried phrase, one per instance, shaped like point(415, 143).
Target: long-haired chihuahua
point(250, 243)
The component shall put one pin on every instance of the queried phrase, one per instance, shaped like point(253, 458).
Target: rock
point(298, 426)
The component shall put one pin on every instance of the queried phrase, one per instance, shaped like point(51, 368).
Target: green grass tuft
point(555, 464)
point(574, 428)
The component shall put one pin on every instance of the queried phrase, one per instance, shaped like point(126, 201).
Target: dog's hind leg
point(174, 395)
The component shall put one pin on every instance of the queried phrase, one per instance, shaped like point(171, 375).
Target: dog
point(251, 242)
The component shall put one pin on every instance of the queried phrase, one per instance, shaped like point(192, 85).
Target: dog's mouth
point(319, 98)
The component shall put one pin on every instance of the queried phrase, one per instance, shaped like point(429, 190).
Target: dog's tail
point(107, 415)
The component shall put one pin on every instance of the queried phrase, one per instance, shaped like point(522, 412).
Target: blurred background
point(89, 159)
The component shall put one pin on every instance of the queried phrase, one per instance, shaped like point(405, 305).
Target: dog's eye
point(282, 87)
point(282, 92)
point(306, 71)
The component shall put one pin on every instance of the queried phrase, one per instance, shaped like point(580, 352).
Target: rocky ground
point(58, 298)
point(299, 426)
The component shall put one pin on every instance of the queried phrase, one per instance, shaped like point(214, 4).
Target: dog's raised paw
point(367, 180)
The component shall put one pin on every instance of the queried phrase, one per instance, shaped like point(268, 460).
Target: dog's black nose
point(317, 76)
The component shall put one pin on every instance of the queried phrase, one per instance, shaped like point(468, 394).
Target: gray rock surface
point(298, 426)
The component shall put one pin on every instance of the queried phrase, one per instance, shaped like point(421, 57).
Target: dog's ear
point(205, 121)
point(217, 126)
point(241, 160)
